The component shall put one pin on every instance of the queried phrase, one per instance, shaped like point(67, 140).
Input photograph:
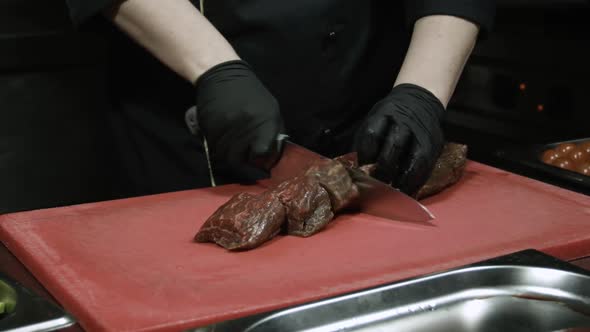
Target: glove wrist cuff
point(426, 95)
point(231, 64)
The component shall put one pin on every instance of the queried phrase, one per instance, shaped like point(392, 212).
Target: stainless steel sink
point(23, 311)
point(526, 291)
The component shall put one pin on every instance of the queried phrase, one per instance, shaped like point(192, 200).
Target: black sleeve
point(480, 12)
point(83, 10)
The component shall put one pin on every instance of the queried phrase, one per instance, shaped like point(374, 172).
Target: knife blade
point(377, 198)
point(190, 117)
point(382, 200)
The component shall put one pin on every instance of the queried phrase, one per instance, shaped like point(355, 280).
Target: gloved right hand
point(237, 115)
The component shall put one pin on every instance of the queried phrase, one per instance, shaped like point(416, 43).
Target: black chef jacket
point(326, 61)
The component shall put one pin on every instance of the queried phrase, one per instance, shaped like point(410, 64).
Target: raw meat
point(447, 171)
point(349, 160)
point(244, 222)
point(307, 205)
point(308, 202)
point(333, 176)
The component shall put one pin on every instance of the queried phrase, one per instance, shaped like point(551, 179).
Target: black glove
point(403, 135)
point(237, 115)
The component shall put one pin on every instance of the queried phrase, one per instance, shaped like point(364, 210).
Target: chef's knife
point(377, 198)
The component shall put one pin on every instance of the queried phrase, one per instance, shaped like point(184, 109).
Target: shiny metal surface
point(380, 199)
point(294, 159)
point(190, 118)
point(495, 297)
point(377, 198)
point(24, 311)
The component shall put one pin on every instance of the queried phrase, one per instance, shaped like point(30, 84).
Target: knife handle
point(191, 120)
point(267, 163)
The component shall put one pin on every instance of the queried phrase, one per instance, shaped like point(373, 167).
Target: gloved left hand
point(402, 134)
point(238, 115)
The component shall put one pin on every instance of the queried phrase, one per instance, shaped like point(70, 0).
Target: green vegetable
point(7, 299)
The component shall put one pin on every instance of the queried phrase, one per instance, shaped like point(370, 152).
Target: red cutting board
point(130, 265)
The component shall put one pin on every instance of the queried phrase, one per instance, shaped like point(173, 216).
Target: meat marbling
point(307, 205)
point(447, 171)
point(244, 222)
point(334, 177)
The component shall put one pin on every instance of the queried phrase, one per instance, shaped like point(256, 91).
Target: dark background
point(53, 96)
point(53, 148)
point(525, 86)
point(543, 45)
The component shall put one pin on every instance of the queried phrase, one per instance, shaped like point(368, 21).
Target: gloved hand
point(237, 115)
point(403, 135)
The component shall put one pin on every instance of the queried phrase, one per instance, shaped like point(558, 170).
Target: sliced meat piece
point(349, 160)
point(307, 205)
point(447, 171)
point(333, 176)
point(244, 222)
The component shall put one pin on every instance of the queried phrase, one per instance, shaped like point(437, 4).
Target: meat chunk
point(307, 205)
point(244, 222)
point(349, 160)
point(447, 171)
point(333, 176)
point(309, 201)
